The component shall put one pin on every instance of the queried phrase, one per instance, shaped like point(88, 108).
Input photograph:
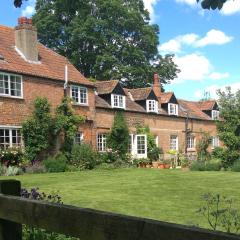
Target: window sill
point(12, 97)
point(191, 149)
point(119, 108)
point(80, 104)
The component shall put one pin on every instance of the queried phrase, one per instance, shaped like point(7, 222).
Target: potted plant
point(184, 163)
point(155, 164)
point(161, 165)
point(167, 164)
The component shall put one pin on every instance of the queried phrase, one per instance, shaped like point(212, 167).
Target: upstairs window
point(172, 109)
point(79, 95)
point(173, 142)
point(102, 142)
point(10, 138)
point(215, 114)
point(215, 142)
point(11, 85)
point(152, 106)
point(118, 101)
point(191, 142)
point(79, 138)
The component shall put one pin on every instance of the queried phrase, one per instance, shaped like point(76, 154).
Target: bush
point(236, 167)
point(105, 166)
point(197, 166)
point(153, 153)
point(36, 167)
point(83, 156)
point(56, 164)
point(218, 152)
point(213, 166)
point(10, 171)
point(11, 156)
point(109, 156)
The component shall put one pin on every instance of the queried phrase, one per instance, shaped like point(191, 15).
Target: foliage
point(236, 166)
point(36, 167)
point(229, 126)
point(10, 171)
point(202, 147)
point(218, 152)
point(83, 156)
point(220, 213)
point(11, 156)
point(37, 130)
point(184, 160)
point(118, 138)
point(109, 156)
point(56, 164)
point(206, 166)
point(105, 39)
point(67, 122)
point(153, 150)
point(197, 166)
point(212, 4)
point(30, 233)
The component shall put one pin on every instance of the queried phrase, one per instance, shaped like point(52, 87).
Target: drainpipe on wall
point(186, 131)
point(66, 81)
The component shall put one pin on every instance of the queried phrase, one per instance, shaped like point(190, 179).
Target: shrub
point(153, 153)
point(56, 164)
point(236, 167)
point(202, 147)
point(197, 166)
point(36, 167)
point(12, 171)
point(218, 152)
point(109, 156)
point(11, 156)
point(213, 166)
point(105, 166)
point(83, 156)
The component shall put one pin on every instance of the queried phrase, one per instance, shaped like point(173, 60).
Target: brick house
point(28, 69)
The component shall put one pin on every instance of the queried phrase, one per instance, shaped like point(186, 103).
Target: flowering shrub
point(11, 156)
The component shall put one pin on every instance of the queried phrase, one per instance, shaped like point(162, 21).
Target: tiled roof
point(206, 105)
point(106, 87)
point(139, 94)
point(52, 65)
point(166, 96)
point(192, 108)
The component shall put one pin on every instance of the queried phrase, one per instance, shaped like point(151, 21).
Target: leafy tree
point(229, 126)
point(118, 139)
point(202, 147)
point(38, 129)
point(212, 4)
point(105, 39)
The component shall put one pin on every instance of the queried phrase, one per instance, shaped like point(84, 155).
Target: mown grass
point(167, 195)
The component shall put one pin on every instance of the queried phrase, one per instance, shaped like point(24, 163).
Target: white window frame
point(102, 142)
point(175, 138)
point(215, 114)
point(152, 106)
point(131, 143)
point(79, 101)
point(11, 144)
point(191, 141)
point(215, 142)
point(79, 138)
point(9, 75)
point(136, 144)
point(174, 107)
point(157, 140)
point(118, 101)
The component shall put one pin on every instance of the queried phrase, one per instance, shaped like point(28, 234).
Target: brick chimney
point(157, 87)
point(26, 39)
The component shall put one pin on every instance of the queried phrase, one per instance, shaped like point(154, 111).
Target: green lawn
point(167, 195)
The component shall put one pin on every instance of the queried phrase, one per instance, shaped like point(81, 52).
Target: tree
point(212, 4)
point(105, 39)
point(229, 125)
point(118, 139)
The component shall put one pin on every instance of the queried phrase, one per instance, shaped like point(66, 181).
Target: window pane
point(83, 95)
point(75, 94)
point(79, 138)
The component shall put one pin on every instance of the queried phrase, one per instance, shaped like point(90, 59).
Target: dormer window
point(152, 106)
point(79, 95)
point(172, 109)
point(118, 101)
point(215, 114)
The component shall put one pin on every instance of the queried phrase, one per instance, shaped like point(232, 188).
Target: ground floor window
point(141, 144)
point(102, 142)
point(190, 142)
point(173, 142)
point(79, 138)
point(10, 137)
point(215, 142)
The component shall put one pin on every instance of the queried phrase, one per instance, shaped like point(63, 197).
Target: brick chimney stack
point(26, 39)
point(157, 87)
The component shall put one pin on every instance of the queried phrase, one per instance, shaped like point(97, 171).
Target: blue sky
point(206, 44)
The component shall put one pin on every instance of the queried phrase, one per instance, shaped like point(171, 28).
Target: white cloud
point(149, 5)
point(194, 67)
point(29, 10)
point(218, 76)
point(213, 37)
point(212, 89)
point(188, 2)
point(231, 7)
